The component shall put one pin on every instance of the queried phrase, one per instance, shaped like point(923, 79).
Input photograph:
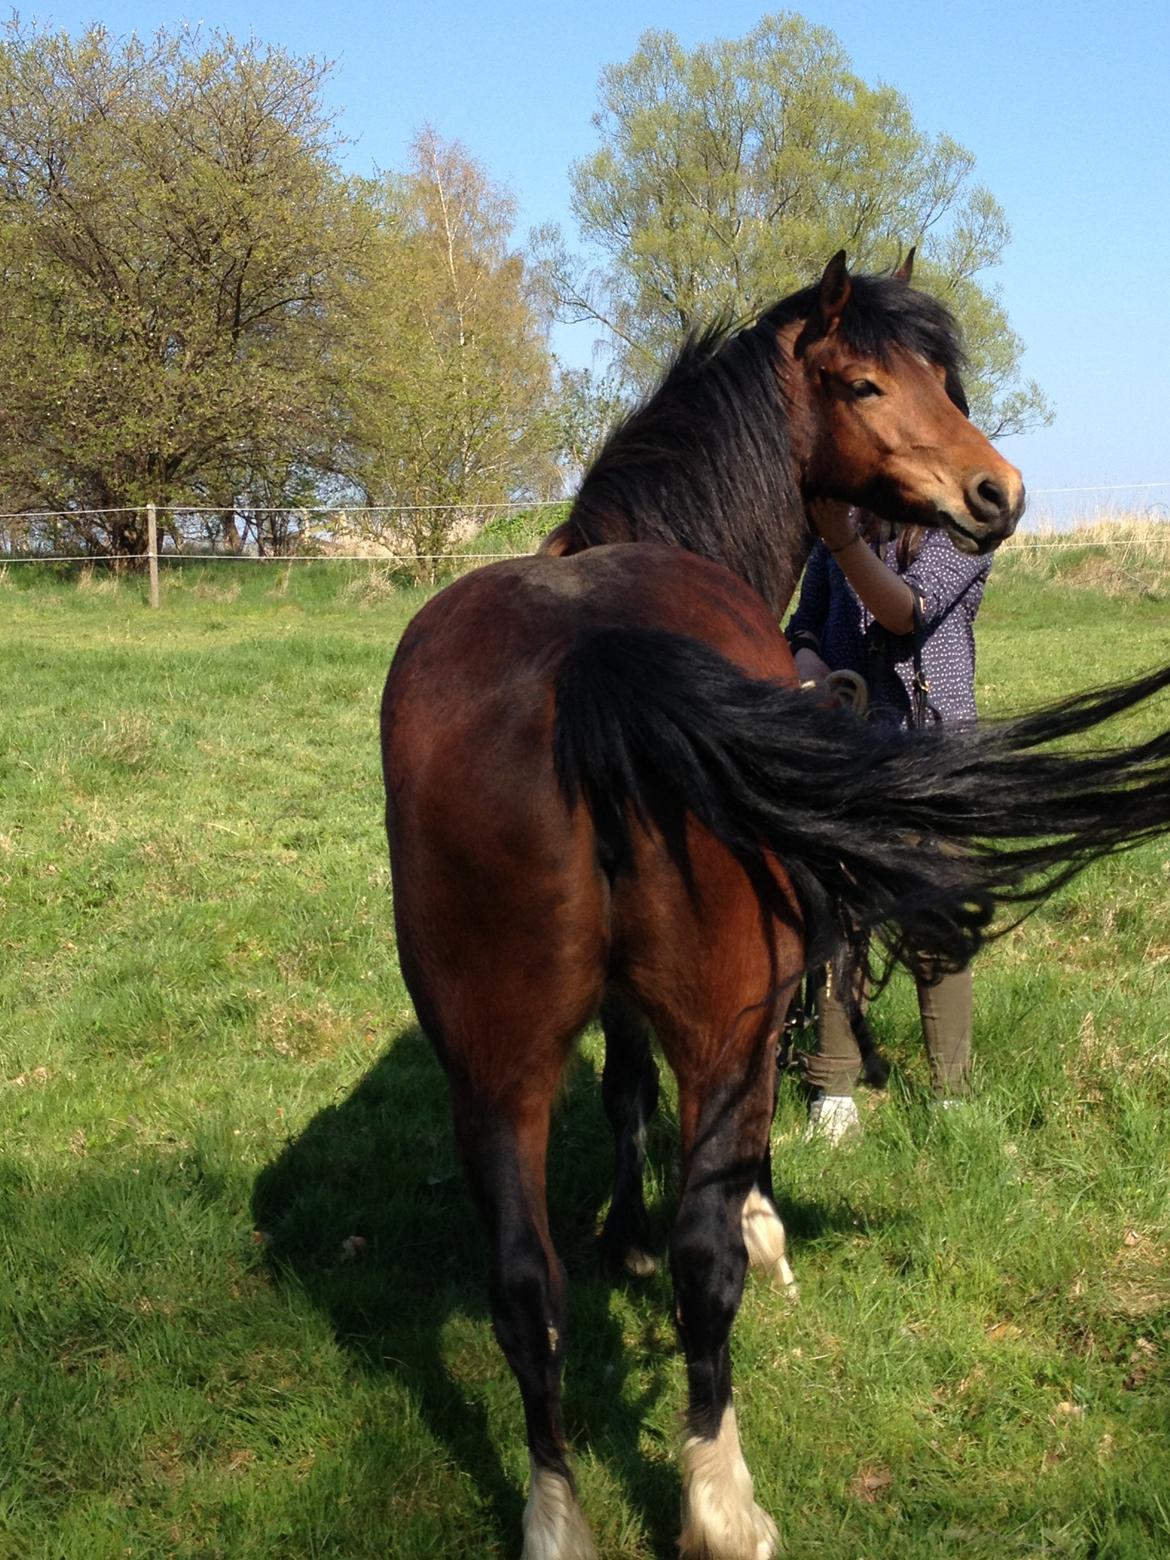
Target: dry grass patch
point(126, 741)
point(370, 587)
point(306, 1032)
point(91, 582)
point(1118, 558)
point(1103, 1053)
point(208, 590)
point(1137, 1281)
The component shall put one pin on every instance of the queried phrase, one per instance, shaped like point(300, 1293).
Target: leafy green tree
point(173, 237)
point(586, 406)
point(727, 175)
point(451, 401)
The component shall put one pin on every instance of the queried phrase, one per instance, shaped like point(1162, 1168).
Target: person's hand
point(810, 667)
point(836, 523)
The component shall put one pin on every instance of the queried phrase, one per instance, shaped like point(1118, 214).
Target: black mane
point(705, 461)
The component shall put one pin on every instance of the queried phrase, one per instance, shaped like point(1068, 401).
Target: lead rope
point(921, 699)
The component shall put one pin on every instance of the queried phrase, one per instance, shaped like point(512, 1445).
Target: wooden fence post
point(152, 551)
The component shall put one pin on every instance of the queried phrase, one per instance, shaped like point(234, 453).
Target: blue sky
point(1063, 105)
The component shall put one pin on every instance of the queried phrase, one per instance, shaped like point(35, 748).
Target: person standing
point(867, 602)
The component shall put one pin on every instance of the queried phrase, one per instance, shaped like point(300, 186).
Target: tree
point(173, 237)
point(586, 406)
point(452, 394)
point(725, 178)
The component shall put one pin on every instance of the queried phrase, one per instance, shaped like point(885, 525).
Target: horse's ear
point(905, 268)
point(562, 542)
point(834, 292)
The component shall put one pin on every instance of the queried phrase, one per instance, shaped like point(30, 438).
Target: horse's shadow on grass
point(367, 1211)
point(380, 1166)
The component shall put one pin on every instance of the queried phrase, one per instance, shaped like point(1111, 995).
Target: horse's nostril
point(992, 494)
point(988, 497)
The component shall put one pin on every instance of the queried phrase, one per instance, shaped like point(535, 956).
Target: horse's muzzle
point(994, 503)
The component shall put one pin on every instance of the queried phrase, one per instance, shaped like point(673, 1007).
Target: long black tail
point(921, 835)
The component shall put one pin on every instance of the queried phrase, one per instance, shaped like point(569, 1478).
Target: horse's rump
point(505, 891)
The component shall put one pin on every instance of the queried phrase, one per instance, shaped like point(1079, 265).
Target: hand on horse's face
point(835, 522)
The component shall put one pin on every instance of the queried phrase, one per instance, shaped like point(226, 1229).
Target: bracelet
point(844, 545)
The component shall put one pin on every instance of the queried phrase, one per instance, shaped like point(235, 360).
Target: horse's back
point(480, 659)
point(469, 705)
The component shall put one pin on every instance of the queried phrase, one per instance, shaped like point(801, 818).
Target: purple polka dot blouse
point(831, 619)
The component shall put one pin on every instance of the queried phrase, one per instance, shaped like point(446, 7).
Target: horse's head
point(879, 415)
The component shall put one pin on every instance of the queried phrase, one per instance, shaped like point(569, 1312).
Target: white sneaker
point(832, 1117)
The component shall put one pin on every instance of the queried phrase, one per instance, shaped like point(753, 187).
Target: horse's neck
point(767, 541)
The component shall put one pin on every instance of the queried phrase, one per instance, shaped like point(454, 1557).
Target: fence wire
point(424, 540)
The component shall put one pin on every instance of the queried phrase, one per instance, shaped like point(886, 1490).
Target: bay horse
point(604, 794)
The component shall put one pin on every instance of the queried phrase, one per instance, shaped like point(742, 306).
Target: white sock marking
point(721, 1520)
point(554, 1527)
point(767, 1246)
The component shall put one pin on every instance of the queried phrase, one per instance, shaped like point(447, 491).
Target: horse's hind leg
point(504, 1145)
point(629, 1090)
point(502, 935)
point(724, 1133)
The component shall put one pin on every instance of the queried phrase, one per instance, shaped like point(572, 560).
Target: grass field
point(211, 1083)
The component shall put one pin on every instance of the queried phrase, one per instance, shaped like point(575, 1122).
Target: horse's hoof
point(785, 1279)
point(721, 1520)
point(638, 1263)
point(554, 1527)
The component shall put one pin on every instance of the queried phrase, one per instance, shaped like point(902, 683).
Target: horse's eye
point(863, 387)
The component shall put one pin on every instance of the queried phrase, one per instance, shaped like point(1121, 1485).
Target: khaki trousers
point(946, 1008)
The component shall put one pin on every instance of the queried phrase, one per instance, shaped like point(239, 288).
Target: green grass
point(203, 1034)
